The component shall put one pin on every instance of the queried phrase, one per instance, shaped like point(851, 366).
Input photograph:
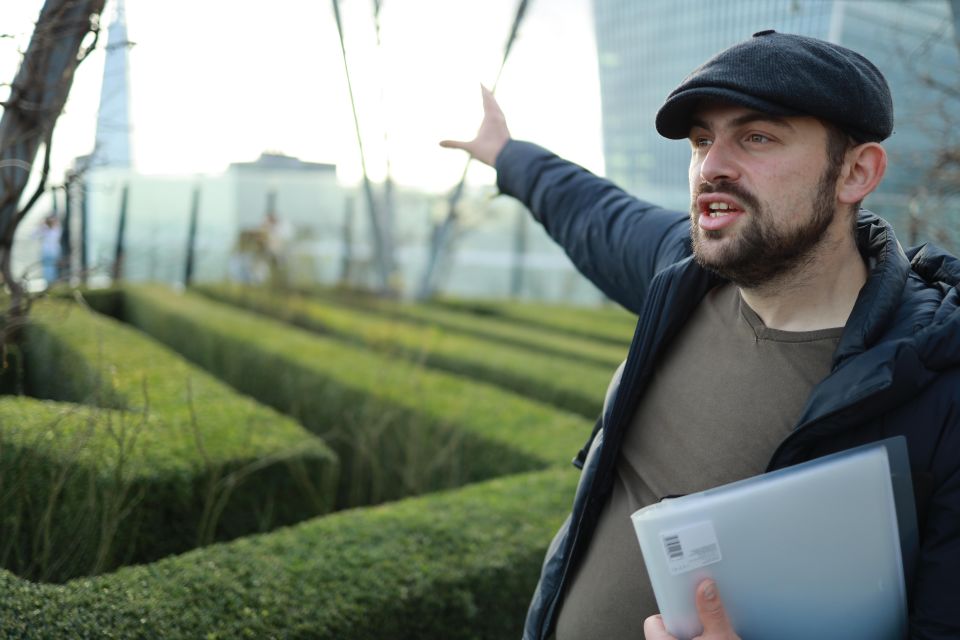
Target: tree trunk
point(37, 96)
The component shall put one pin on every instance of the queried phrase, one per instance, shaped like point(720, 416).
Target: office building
point(646, 48)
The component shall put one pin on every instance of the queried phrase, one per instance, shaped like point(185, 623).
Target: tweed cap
point(787, 75)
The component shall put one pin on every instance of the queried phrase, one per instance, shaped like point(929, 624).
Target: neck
point(818, 294)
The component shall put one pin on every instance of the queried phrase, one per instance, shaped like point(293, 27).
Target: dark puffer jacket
point(896, 370)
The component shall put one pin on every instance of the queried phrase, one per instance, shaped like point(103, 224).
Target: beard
point(761, 253)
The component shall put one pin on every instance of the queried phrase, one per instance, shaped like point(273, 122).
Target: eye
point(758, 138)
point(701, 141)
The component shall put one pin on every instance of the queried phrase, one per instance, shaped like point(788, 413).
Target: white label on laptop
point(690, 547)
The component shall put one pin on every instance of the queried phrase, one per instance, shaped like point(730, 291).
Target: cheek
point(789, 175)
point(796, 188)
point(693, 174)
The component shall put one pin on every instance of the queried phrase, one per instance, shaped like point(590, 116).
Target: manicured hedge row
point(182, 458)
point(564, 382)
point(612, 324)
point(492, 323)
point(398, 428)
point(509, 331)
point(64, 488)
point(455, 565)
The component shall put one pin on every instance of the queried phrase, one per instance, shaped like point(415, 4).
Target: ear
point(863, 169)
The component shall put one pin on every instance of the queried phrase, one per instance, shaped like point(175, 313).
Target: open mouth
point(719, 209)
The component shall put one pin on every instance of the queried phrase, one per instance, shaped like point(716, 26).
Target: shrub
point(398, 428)
point(492, 328)
point(613, 324)
point(456, 565)
point(161, 458)
point(571, 383)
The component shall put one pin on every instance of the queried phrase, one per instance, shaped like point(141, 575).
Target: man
point(778, 322)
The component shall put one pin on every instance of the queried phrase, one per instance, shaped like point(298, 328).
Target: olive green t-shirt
point(723, 396)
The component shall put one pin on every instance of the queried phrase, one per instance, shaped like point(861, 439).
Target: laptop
point(821, 550)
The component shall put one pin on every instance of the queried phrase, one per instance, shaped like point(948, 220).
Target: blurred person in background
point(48, 233)
point(277, 234)
point(778, 322)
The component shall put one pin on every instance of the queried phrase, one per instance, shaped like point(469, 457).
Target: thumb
point(454, 144)
point(713, 616)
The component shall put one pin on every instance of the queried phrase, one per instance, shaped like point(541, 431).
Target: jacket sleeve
point(614, 239)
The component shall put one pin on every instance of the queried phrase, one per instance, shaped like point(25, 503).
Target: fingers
point(490, 104)
point(492, 136)
point(492, 113)
point(653, 629)
point(713, 616)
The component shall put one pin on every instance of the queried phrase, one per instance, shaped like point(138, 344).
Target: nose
point(718, 162)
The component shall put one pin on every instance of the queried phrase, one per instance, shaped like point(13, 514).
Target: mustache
point(731, 189)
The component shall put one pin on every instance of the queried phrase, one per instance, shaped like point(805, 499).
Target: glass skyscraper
point(646, 48)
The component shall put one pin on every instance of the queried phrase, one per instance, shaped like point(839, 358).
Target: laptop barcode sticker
point(690, 547)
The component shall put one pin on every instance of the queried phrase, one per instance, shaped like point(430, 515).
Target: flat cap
point(787, 75)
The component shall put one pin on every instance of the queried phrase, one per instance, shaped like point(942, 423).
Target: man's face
point(763, 193)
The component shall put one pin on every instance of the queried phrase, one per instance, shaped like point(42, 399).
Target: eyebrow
point(747, 118)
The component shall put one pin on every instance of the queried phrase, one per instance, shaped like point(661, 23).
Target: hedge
point(491, 327)
point(569, 383)
point(162, 458)
point(455, 565)
point(399, 429)
point(613, 324)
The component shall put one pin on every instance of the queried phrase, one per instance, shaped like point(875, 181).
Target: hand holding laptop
point(713, 617)
point(818, 550)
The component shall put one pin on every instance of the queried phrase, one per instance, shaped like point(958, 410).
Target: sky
point(220, 81)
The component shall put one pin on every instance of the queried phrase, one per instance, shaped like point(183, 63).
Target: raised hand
point(492, 136)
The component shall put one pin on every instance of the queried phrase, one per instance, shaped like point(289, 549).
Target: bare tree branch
point(41, 186)
point(95, 30)
point(37, 97)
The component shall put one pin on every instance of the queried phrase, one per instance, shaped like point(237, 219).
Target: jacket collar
point(878, 300)
point(902, 331)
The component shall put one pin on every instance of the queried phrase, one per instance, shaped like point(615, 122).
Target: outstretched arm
point(492, 136)
point(615, 240)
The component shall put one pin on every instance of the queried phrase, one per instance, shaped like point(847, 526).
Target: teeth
point(717, 209)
